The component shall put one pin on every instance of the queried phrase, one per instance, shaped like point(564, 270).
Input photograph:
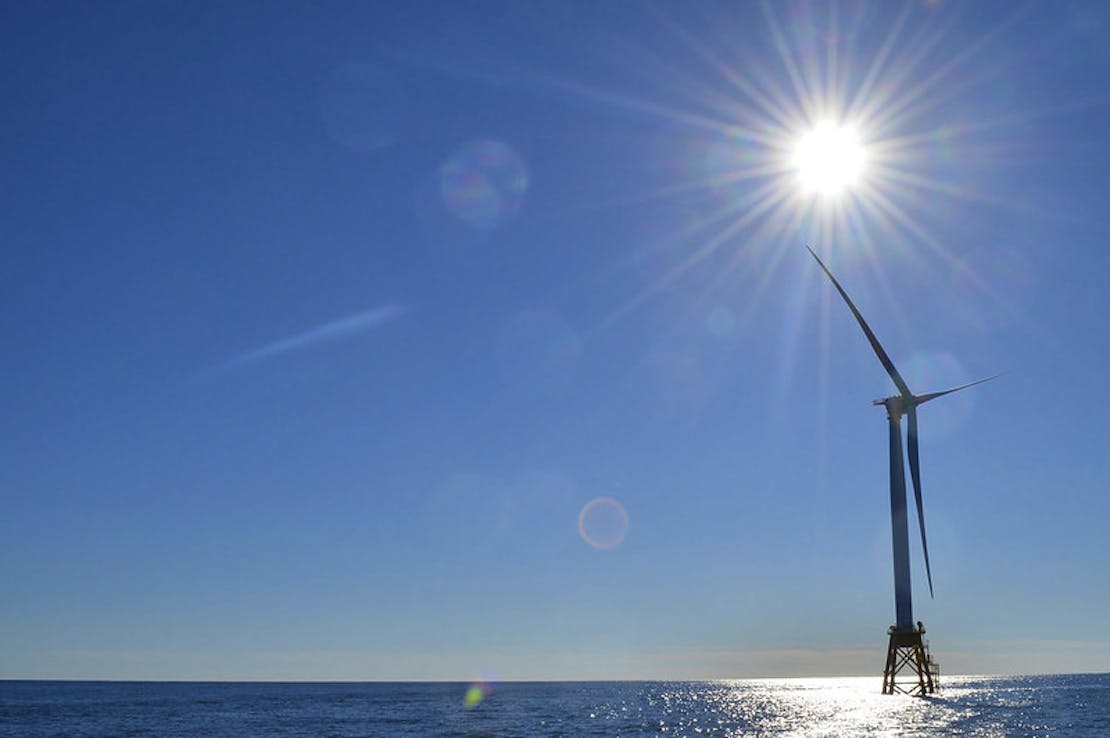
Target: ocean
point(1061, 705)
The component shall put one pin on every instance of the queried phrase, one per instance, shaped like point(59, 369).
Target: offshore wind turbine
point(906, 649)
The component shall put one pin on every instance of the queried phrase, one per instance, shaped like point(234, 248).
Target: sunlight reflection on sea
point(1069, 706)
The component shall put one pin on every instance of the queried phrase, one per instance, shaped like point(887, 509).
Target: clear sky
point(325, 323)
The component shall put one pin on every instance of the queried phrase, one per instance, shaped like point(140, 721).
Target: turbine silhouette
point(904, 403)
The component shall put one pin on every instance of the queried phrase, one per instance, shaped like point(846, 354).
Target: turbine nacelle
point(896, 405)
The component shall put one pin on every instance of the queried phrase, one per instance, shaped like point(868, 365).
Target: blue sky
point(324, 325)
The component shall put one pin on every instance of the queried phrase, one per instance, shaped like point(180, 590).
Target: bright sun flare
point(829, 159)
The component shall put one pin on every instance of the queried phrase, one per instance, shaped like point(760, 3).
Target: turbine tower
point(906, 649)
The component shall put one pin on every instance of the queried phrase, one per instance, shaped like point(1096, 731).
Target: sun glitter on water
point(829, 159)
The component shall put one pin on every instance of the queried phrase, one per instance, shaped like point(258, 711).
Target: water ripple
point(1066, 706)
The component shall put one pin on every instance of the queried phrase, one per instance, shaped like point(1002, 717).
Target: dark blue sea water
point(1065, 705)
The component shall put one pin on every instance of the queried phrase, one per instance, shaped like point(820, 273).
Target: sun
point(829, 159)
point(837, 144)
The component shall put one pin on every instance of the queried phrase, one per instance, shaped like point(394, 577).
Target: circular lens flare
point(828, 159)
point(484, 183)
point(603, 523)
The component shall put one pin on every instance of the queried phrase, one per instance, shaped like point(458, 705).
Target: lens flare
point(475, 693)
point(483, 183)
point(603, 523)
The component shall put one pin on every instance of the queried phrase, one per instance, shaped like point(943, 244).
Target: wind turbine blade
point(915, 473)
point(887, 363)
point(934, 395)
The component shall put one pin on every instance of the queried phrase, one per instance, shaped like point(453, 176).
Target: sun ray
point(895, 77)
point(831, 67)
point(913, 227)
point(879, 63)
point(758, 172)
point(780, 115)
point(899, 176)
point(770, 197)
point(796, 79)
point(809, 69)
point(832, 60)
point(692, 86)
point(922, 91)
point(894, 310)
point(764, 276)
point(860, 233)
point(642, 106)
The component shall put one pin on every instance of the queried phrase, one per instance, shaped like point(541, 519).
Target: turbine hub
point(896, 406)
